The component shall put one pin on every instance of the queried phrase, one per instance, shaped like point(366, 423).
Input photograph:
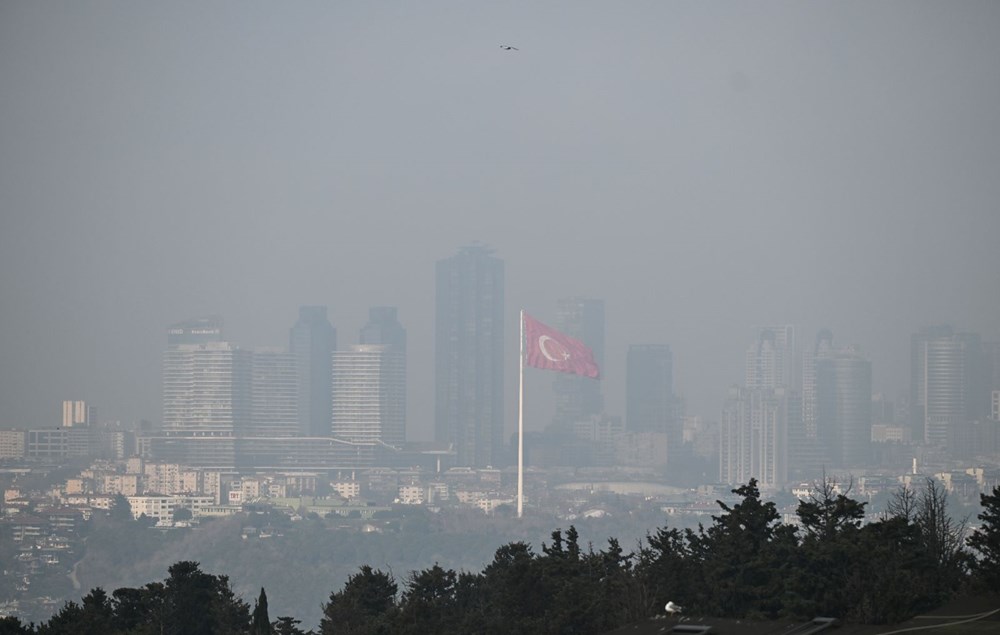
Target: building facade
point(369, 395)
point(752, 436)
point(469, 340)
point(275, 395)
point(312, 341)
point(844, 407)
point(948, 384)
point(206, 390)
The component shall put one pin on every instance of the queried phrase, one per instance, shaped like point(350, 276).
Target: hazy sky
point(704, 167)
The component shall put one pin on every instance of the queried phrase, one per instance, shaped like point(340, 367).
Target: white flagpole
point(520, 424)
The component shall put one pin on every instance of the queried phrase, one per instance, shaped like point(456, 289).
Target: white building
point(206, 390)
point(369, 395)
point(162, 507)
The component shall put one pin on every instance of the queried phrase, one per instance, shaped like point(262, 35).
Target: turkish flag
point(547, 348)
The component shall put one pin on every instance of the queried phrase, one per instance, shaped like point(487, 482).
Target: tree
point(199, 603)
point(261, 624)
point(986, 541)
point(182, 513)
point(743, 558)
point(121, 509)
point(943, 540)
point(14, 626)
point(827, 555)
point(287, 626)
point(365, 605)
point(428, 605)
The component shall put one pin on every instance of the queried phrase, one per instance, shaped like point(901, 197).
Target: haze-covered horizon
point(702, 168)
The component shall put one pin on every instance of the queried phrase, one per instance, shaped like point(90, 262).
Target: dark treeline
point(746, 564)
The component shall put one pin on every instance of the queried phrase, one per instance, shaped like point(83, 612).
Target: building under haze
point(753, 435)
point(312, 341)
point(949, 388)
point(579, 398)
point(369, 395)
point(772, 360)
point(275, 394)
point(469, 354)
point(78, 413)
point(649, 388)
point(206, 390)
point(844, 407)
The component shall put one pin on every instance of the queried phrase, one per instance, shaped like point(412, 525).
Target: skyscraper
point(369, 390)
point(772, 360)
point(844, 407)
point(752, 435)
point(469, 355)
point(649, 387)
point(312, 341)
point(275, 394)
point(206, 390)
point(579, 398)
point(78, 413)
point(948, 383)
point(383, 329)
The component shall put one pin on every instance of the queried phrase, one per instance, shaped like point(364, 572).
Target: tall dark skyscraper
point(579, 398)
point(469, 356)
point(312, 341)
point(844, 407)
point(649, 387)
point(650, 405)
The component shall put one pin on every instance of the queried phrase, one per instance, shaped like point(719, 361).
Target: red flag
point(547, 348)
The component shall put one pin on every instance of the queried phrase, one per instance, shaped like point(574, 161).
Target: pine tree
point(261, 624)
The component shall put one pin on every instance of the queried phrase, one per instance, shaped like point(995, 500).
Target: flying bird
point(672, 608)
point(509, 48)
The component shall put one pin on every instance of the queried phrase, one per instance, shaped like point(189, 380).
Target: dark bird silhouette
point(509, 48)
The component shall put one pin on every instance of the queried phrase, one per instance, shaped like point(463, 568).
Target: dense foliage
point(745, 564)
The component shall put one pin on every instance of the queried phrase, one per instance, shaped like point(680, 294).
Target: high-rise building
point(822, 347)
point(948, 383)
point(206, 390)
point(383, 329)
point(312, 341)
point(772, 360)
point(844, 407)
point(275, 394)
point(649, 389)
point(369, 391)
point(78, 413)
point(469, 356)
point(579, 398)
point(752, 435)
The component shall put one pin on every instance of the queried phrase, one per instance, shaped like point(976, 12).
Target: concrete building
point(369, 395)
point(753, 434)
point(13, 444)
point(206, 390)
point(77, 413)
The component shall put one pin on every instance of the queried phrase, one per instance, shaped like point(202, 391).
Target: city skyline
point(702, 169)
